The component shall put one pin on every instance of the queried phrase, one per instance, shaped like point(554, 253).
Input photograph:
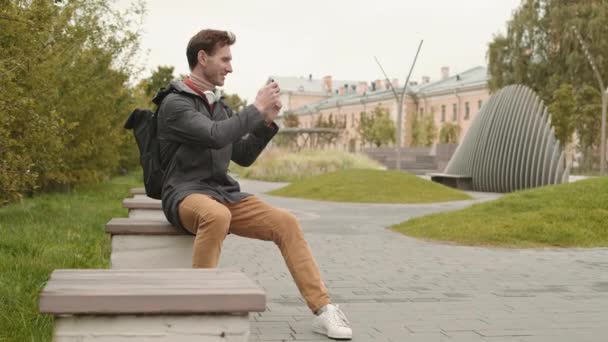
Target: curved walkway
point(396, 288)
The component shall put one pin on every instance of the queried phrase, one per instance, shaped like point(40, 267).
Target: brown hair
point(207, 40)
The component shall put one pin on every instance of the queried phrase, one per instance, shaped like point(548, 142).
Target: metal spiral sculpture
point(510, 145)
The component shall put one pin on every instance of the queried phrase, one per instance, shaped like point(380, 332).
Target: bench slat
point(134, 226)
point(141, 203)
point(138, 191)
point(166, 291)
point(148, 274)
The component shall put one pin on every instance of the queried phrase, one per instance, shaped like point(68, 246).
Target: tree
point(161, 77)
point(417, 131)
point(377, 127)
point(146, 89)
point(291, 120)
point(234, 101)
point(563, 109)
point(542, 51)
point(588, 119)
point(424, 130)
point(327, 138)
point(329, 122)
point(430, 129)
point(63, 95)
point(449, 133)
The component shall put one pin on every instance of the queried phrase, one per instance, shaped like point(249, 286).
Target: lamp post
point(604, 93)
point(399, 99)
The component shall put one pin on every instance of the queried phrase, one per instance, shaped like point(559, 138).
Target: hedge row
point(64, 94)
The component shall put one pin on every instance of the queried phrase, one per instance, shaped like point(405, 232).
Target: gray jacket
point(196, 147)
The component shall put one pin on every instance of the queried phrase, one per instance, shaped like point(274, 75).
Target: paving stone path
point(396, 288)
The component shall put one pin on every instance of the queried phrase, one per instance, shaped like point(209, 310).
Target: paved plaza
point(396, 288)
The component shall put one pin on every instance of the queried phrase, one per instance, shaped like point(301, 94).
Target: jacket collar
point(180, 86)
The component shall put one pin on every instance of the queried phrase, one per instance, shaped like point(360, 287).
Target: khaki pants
point(211, 221)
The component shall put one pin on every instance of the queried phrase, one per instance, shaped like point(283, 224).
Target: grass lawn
point(370, 186)
point(566, 215)
point(47, 232)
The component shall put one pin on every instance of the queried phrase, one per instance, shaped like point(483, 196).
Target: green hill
point(565, 215)
point(370, 186)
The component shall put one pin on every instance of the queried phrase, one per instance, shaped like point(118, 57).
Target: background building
point(452, 99)
point(299, 91)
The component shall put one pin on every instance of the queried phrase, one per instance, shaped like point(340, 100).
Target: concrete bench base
point(151, 251)
point(143, 207)
point(161, 328)
point(139, 193)
point(152, 214)
point(147, 244)
point(168, 305)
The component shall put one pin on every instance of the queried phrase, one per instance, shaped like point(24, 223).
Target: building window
point(421, 112)
point(467, 110)
point(454, 113)
point(352, 119)
point(479, 103)
point(442, 113)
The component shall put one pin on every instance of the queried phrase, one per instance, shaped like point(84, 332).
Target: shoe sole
point(339, 338)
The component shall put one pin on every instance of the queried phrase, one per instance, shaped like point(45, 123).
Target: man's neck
point(201, 83)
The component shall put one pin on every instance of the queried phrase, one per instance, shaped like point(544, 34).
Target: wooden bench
point(143, 226)
point(137, 191)
point(184, 305)
point(144, 207)
point(149, 243)
point(462, 182)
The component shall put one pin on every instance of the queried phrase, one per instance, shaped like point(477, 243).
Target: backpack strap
point(162, 93)
point(226, 107)
point(157, 100)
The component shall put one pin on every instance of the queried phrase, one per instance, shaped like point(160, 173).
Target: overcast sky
point(325, 37)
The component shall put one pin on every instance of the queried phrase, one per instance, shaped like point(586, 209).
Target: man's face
point(216, 67)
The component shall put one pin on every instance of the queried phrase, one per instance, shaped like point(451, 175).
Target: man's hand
point(268, 101)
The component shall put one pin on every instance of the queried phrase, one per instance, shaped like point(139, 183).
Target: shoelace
point(337, 317)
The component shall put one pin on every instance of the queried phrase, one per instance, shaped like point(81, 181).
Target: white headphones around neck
point(211, 97)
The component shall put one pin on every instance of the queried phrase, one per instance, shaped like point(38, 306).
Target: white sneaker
point(333, 323)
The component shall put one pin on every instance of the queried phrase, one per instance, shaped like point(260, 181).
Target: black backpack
point(144, 123)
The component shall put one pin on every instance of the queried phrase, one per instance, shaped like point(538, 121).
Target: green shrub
point(64, 95)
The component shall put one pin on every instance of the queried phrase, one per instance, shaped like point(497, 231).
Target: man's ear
point(202, 58)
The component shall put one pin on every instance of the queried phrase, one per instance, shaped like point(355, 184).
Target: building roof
point(346, 100)
point(308, 85)
point(471, 78)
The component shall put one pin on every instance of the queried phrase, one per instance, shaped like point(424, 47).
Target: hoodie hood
point(175, 86)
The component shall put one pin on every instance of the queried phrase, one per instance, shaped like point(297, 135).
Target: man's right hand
point(268, 101)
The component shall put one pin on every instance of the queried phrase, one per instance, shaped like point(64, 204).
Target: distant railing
point(296, 139)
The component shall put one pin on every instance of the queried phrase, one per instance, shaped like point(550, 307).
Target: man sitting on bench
point(199, 136)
